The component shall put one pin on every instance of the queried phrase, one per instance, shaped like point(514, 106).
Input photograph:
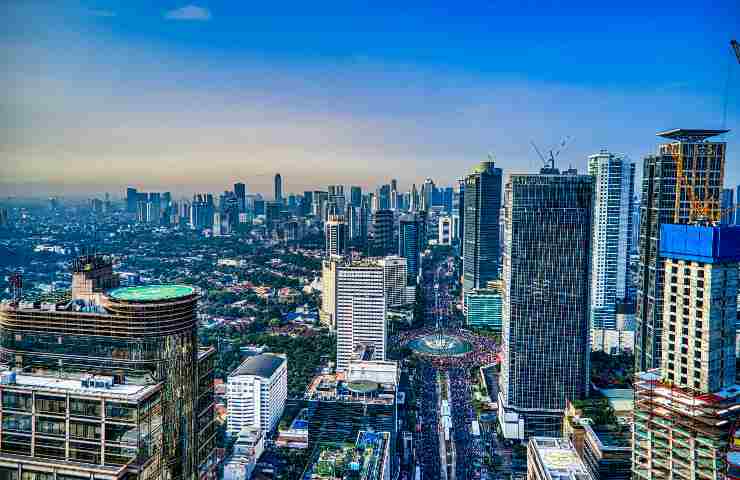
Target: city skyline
point(192, 97)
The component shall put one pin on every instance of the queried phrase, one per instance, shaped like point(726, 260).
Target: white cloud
point(189, 12)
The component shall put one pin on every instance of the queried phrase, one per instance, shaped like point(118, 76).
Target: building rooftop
point(336, 387)
point(611, 438)
point(366, 459)
point(51, 384)
point(151, 293)
point(558, 459)
point(262, 365)
point(690, 134)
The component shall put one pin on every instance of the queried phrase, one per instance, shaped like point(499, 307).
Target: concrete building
point(360, 309)
point(249, 446)
point(686, 411)
point(382, 228)
point(256, 392)
point(607, 452)
point(395, 281)
point(546, 287)
point(554, 459)
point(368, 458)
point(481, 239)
point(133, 396)
point(614, 178)
point(671, 198)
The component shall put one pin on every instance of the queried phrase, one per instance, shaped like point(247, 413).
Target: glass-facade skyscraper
point(411, 241)
point(481, 222)
point(546, 285)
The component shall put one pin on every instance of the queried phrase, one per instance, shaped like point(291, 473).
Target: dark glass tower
point(546, 287)
point(481, 234)
point(671, 196)
point(382, 240)
point(278, 188)
point(410, 244)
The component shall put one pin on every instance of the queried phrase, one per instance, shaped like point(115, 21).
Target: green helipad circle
point(149, 293)
point(363, 386)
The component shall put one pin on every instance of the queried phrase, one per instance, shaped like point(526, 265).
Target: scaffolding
point(680, 433)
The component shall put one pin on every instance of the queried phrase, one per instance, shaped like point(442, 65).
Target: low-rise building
point(554, 459)
point(368, 458)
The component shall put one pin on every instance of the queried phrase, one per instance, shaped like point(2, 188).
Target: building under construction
point(679, 433)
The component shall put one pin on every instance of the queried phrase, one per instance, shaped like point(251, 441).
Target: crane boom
point(736, 47)
point(542, 157)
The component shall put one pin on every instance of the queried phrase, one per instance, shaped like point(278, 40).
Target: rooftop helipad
point(149, 293)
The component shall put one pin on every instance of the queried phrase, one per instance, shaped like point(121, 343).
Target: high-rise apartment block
point(360, 314)
point(105, 384)
point(481, 236)
point(256, 392)
point(687, 411)
point(445, 232)
point(546, 287)
point(681, 184)
point(613, 192)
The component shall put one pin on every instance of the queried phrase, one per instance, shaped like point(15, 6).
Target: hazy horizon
point(102, 95)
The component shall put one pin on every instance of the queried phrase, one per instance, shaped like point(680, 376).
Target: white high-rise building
point(444, 233)
point(360, 317)
point(395, 279)
point(256, 392)
point(614, 177)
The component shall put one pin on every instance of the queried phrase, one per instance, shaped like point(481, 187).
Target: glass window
point(48, 404)
point(16, 422)
point(50, 426)
point(84, 452)
point(119, 455)
point(121, 433)
point(84, 408)
point(8, 473)
point(17, 401)
point(120, 411)
point(31, 475)
point(16, 444)
point(84, 430)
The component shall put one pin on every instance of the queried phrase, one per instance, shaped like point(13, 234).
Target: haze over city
point(191, 97)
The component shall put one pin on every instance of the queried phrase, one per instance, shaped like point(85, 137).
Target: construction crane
point(736, 49)
point(549, 161)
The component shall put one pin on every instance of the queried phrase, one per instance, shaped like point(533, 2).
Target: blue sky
point(186, 97)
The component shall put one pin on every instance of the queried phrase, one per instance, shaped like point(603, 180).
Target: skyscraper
point(384, 197)
point(336, 200)
point(411, 243)
point(395, 281)
point(111, 379)
point(680, 184)
point(132, 198)
point(461, 214)
point(427, 194)
point(382, 240)
point(613, 191)
point(278, 188)
point(687, 411)
point(240, 192)
point(337, 236)
point(546, 289)
point(481, 237)
point(355, 195)
point(360, 310)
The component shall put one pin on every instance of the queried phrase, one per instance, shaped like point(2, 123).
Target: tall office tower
point(481, 236)
point(726, 205)
point(318, 207)
point(687, 411)
point(382, 240)
point(306, 203)
point(681, 184)
point(394, 185)
point(384, 197)
point(360, 310)
point(240, 192)
point(614, 189)
point(278, 188)
point(736, 216)
point(484, 307)
point(411, 242)
point(216, 228)
point(395, 281)
point(336, 199)
point(337, 236)
point(328, 310)
point(256, 392)
point(461, 214)
point(635, 226)
point(395, 197)
point(111, 390)
point(546, 290)
point(355, 195)
point(414, 200)
point(446, 195)
point(427, 195)
point(444, 230)
point(132, 198)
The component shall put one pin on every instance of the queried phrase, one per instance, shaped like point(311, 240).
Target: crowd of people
point(485, 350)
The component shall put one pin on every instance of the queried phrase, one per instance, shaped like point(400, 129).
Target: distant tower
point(240, 191)
point(481, 235)
point(382, 241)
point(278, 188)
point(337, 236)
point(411, 241)
point(614, 178)
point(545, 283)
